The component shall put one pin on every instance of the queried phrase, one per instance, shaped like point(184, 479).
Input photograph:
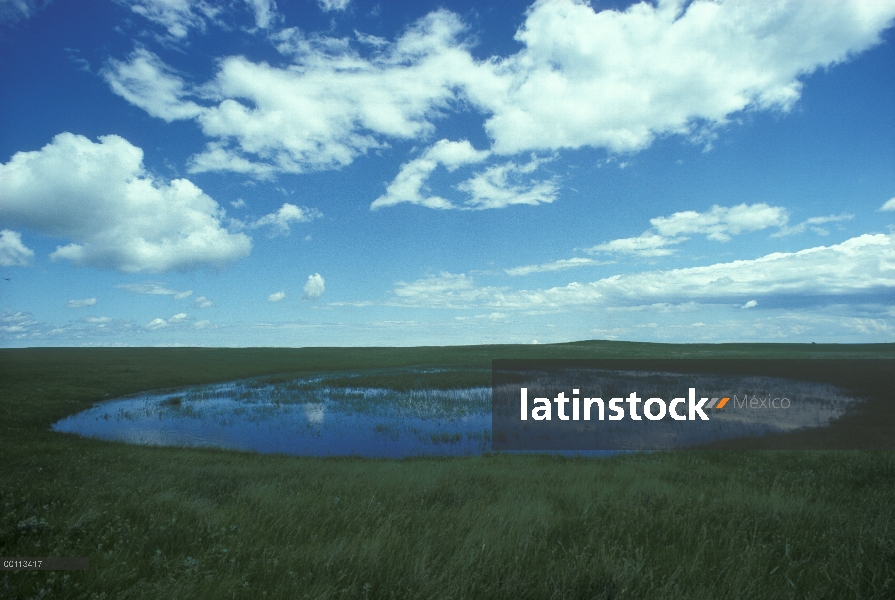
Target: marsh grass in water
point(204, 523)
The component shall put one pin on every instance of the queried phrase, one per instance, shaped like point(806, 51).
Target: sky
point(349, 173)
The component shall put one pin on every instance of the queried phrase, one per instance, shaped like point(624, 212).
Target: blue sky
point(346, 173)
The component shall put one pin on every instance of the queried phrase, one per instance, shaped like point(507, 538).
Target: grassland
point(175, 523)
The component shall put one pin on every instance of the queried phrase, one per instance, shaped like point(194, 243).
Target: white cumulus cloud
point(314, 287)
point(13, 253)
point(619, 79)
point(888, 205)
point(321, 112)
point(116, 214)
point(584, 77)
point(277, 296)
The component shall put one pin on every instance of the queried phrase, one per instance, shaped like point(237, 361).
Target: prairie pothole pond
point(395, 413)
point(334, 415)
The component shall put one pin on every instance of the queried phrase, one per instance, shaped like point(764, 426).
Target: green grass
point(203, 523)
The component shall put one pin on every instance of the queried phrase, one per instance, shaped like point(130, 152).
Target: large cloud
point(99, 196)
point(863, 265)
point(617, 80)
point(327, 108)
point(603, 79)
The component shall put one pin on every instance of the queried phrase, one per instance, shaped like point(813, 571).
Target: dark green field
point(198, 523)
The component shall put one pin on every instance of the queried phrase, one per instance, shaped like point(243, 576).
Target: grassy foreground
point(172, 523)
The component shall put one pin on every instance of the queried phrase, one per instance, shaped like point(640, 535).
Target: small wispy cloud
point(331, 5)
point(495, 316)
point(158, 323)
point(97, 320)
point(646, 245)
point(277, 296)
point(288, 213)
point(719, 223)
point(80, 303)
point(153, 289)
point(501, 185)
point(557, 265)
point(814, 224)
point(410, 183)
point(12, 11)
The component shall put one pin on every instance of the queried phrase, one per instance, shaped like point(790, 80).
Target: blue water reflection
point(338, 422)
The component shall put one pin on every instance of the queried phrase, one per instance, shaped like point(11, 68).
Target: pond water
point(327, 416)
point(324, 422)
